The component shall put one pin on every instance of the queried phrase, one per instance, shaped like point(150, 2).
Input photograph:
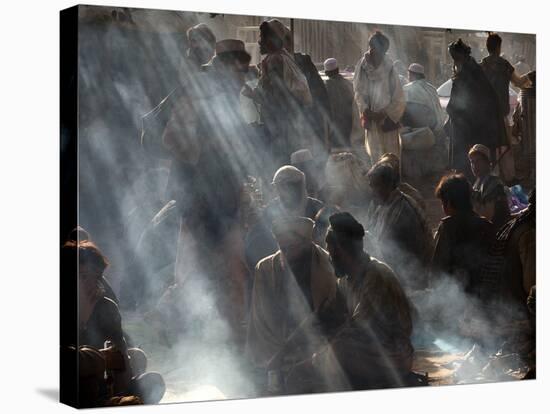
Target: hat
point(300, 156)
point(481, 149)
point(330, 64)
point(346, 225)
point(416, 68)
point(202, 31)
point(229, 45)
point(278, 28)
point(288, 173)
point(299, 227)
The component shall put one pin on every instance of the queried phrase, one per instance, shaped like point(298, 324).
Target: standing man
point(501, 73)
point(208, 135)
point(343, 109)
point(379, 96)
point(202, 44)
point(473, 110)
point(282, 93)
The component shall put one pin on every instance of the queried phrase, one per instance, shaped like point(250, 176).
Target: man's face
point(380, 191)
point(200, 50)
point(88, 280)
point(374, 54)
point(458, 59)
point(292, 247)
point(480, 165)
point(335, 256)
point(262, 41)
point(237, 70)
point(291, 193)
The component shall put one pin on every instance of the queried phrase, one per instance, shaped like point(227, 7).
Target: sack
point(417, 138)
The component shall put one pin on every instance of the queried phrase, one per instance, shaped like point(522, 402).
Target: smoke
point(128, 62)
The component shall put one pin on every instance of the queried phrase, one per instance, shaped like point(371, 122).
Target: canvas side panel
point(68, 202)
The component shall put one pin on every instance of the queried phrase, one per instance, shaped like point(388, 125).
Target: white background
point(29, 151)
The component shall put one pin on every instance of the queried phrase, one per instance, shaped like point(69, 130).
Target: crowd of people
point(298, 223)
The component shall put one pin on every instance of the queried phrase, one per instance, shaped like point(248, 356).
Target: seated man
point(489, 195)
point(289, 287)
point(399, 228)
point(303, 160)
point(507, 280)
point(372, 348)
point(291, 201)
point(463, 238)
point(423, 106)
point(423, 110)
point(404, 187)
point(100, 329)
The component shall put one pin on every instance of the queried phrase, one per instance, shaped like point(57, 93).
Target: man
point(289, 286)
point(473, 110)
point(210, 139)
point(399, 228)
point(522, 67)
point(423, 106)
point(345, 183)
point(100, 330)
point(501, 73)
point(379, 97)
point(303, 160)
point(372, 348)
point(316, 114)
point(509, 275)
point(291, 201)
point(463, 237)
point(282, 93)
point(404, 187)
point(201, 43)
point(201, 46)
point(343, 109)
point(489, 195)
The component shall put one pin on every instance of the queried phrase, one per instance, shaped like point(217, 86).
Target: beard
point(339, 270)
point(198, 55)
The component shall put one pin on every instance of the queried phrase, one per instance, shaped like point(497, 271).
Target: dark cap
point(346, 225)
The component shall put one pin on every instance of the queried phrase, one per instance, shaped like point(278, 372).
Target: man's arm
point(520, 81)
point(527, 253)
point(441, 258)
point(180, 136)
point(397, 104)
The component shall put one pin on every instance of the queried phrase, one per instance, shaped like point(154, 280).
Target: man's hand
point(248, 92)
point(373, 115)
point(114, 360)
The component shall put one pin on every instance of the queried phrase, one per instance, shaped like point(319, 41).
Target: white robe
point(372, 91)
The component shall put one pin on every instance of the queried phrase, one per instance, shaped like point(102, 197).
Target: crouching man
point(109, 372)
point(372, 348)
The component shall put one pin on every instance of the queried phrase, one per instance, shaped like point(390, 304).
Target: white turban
point(288, 173)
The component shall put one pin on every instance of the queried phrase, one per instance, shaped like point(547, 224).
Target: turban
point(330, 64)
point(279, 29)
point(288, 173)
point(301, 156)
point(480, 149)
point(345, 225)
point(416, 68)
